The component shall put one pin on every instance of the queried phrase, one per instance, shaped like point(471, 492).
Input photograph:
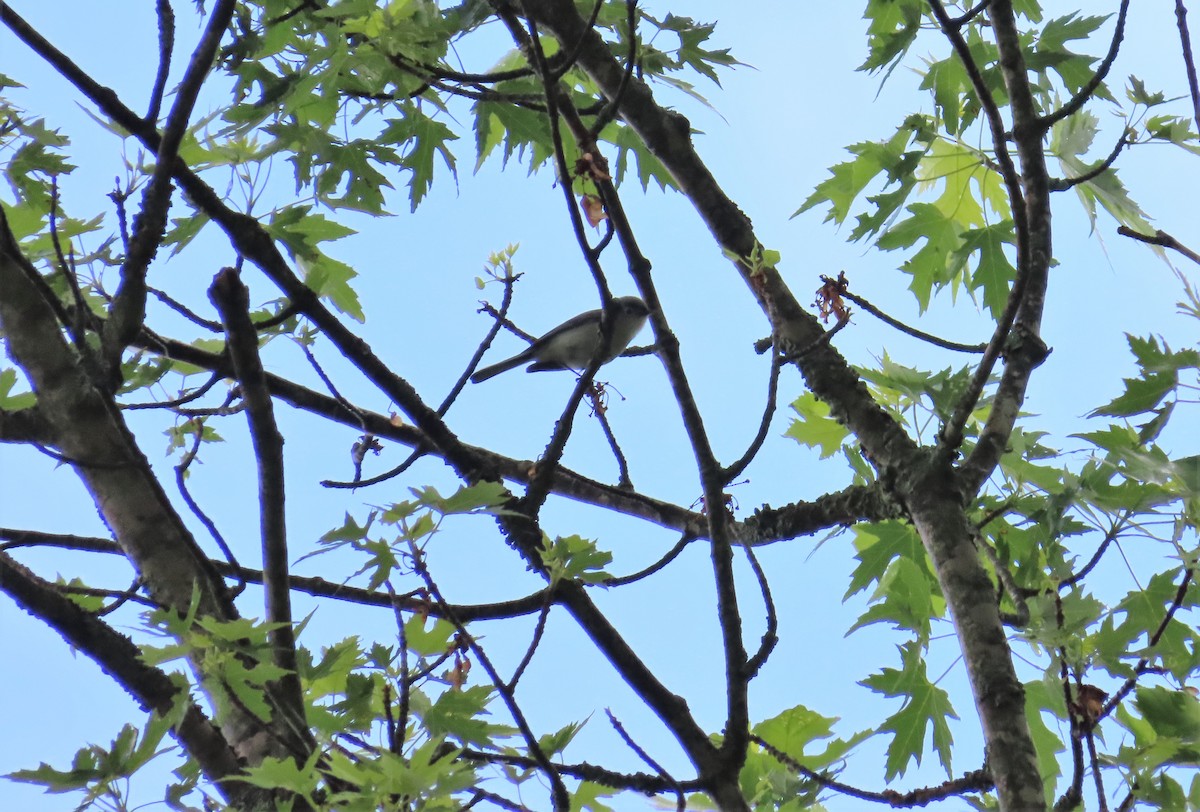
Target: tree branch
point(15, 538)
point(166, 46)
point(128, 310)
point(1023, 349)
point(150, 687)
point(1088, 90)
point(1162, 238)
point(232, 300)
point(25, 426)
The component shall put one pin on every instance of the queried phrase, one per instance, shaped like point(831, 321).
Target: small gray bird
point(572, 344)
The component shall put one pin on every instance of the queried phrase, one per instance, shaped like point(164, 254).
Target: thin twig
point(613, 107)
point(182, 400)
point(976, 781)
point(1006, 580)
point(1097, 776)
point(1085, 93)
point(821, 341)
point(166, 46)
point(559, 794)
point(1161, 238)
point(597, 394)
point(1072, 796)
point(77, 325)
point(570, 55)
point(399, 731)
point(185, 311)
point(1109, 537)
point(12, 538)
point(770, 637)
point(945, 344)
point(194, 506)
point(536, 492)
point(1144, 663)
point(128, 311)
point(1062, 184)
point(680, 800)
point(670, 556)
point(963, 19)
point(538, 630)
point(735, 469)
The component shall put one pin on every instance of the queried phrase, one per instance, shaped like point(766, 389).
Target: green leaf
point(284, 774)
point(949, 82)
point(907, 596)
point(1045, 695)
point(9, 401)
point(994, 273)
point(689, 54)
point(814, 427)
point(1171, 713)
point(301, 231)
point(924, 704)
point(794, 729)
point(893, 28)
point(554, 743)
point(575, 558)
point(1160, 367)
point(467, 499)
point(427, 140)
point(1050, 52)
point(1175, 129)
point(94, 769)
point(938, 262)
point(588, 797)
point(649, 166)
point(850, 178)
point(1141, 395)
point(428, 642)
point(1069, 140)
point(521, 131)
point(877, 546)
point(454, 713)
point(1136, 92)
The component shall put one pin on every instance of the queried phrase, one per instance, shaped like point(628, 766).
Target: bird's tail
point(482, 375)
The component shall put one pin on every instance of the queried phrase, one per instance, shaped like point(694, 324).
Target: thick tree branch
point(25, 426)
point(1023, 348)
point(128, 310)
point(232, 301)
point(952, 432)
point(843, 508)
point(91, 432)
point(150, 687)
point(93, 437)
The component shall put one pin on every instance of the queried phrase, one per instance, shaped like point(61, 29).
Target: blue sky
point(777, 127)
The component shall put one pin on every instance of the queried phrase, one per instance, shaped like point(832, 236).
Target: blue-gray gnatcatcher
point(572, 344)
